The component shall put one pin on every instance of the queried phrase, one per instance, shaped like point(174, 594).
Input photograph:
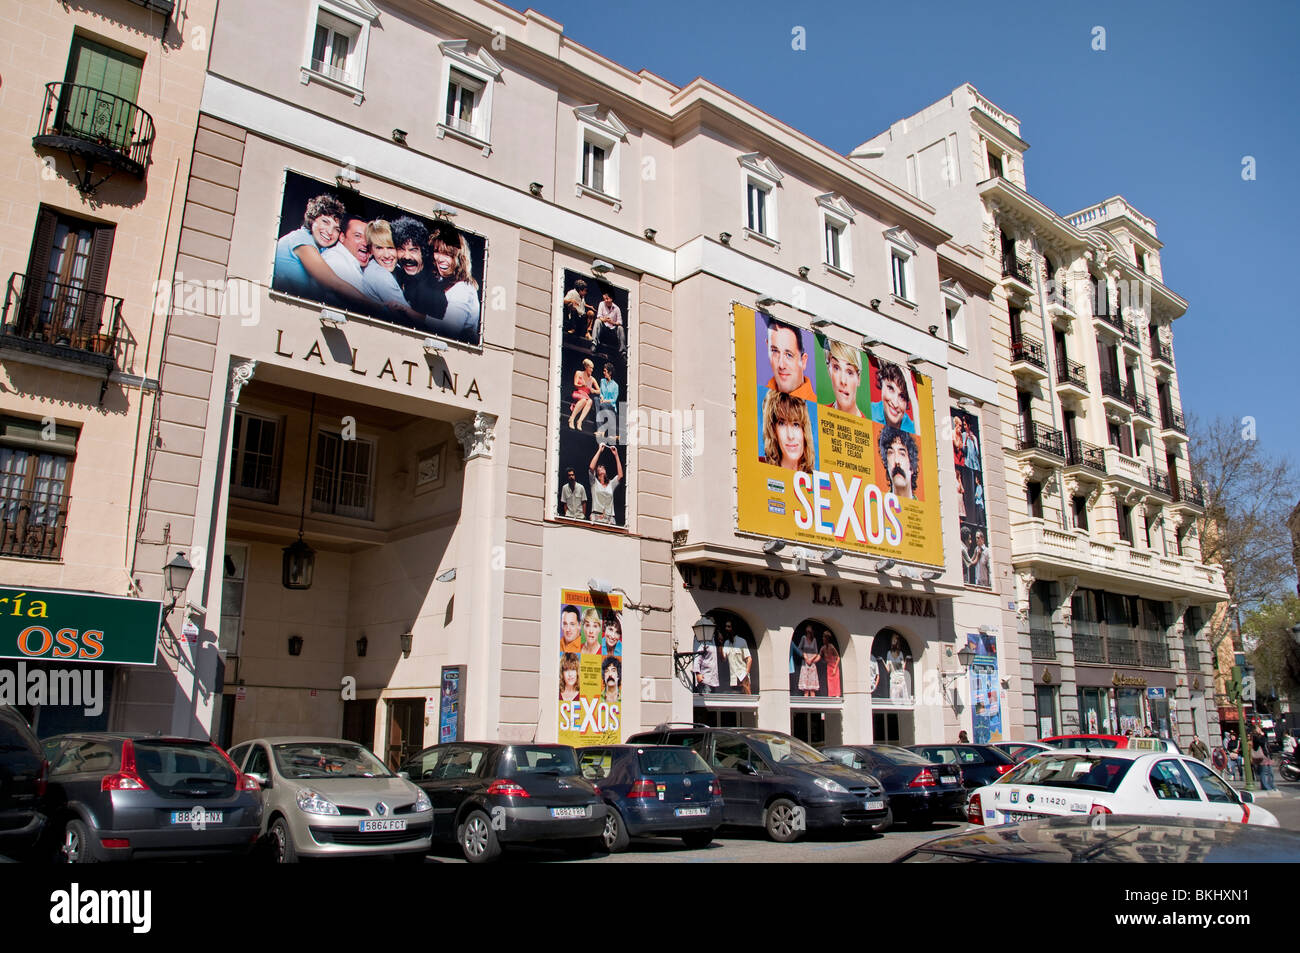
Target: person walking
point(1261, 758)
point(1198, 749)
point(1234, 756)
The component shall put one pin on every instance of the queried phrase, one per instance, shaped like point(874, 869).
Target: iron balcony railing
point(1171, 419)
point(1042, 643)
point(1187, 491)
point(62, 315)
point(1060, 294)
point(1110, 319)
point(114, 129)
point(1142, 406)
point(1028, 350)
point(1035, 436)
point(1121, 651)
point(32, 524)
point(1131, 333)
point(1011, 268)
point(1191, 656)
point(1088, 646)
point(1160, 351)
point(1071, 373)
point(1159, 481)
point(1080, 453)
point(1155, 653)
point(1116, 387)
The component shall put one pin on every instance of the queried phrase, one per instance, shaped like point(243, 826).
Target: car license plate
point(948, 780)
point(692, 812)
point(387, 824)
point(568, 812)
point(1020, 816)
point(193, 817)
point(874, 805)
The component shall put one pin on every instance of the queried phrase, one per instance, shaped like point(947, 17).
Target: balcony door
point(67, 271)
point(101, 85)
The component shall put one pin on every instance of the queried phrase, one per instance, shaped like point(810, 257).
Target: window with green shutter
point(100, 89)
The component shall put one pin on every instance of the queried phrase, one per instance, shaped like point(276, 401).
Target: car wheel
point(478, 841)
point(697, 839)
point(884, 823)
point(282, 849)
point(615, 837)
point(784, 821)
point(76, 844)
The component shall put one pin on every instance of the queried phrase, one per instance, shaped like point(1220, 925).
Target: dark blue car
point(654, 790)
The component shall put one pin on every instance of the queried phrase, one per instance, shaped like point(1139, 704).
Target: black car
point(125, 796)
point(23, 772)
point(774, 781)
point(654, 790)
point(920, 792)
point(980, 764)
point(1121, 839)
point(488, 795)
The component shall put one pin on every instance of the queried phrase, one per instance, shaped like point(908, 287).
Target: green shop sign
point(78, 627)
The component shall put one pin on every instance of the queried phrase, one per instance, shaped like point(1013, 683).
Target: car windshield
point(782, 749)
point(1088, 772)
point(551, 759)
point(671, 761)
point(183, 769)
point(328, 759)
point(892, 755)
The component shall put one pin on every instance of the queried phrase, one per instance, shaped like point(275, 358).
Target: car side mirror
point(262, 779)
point(747, 767)
point(404, 775)
point(1247, 797)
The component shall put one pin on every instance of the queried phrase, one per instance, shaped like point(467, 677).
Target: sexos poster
point(340, 249)
point(591, 668)
point(835, 445)
point(985, 688)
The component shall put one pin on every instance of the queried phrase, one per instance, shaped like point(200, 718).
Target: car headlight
point(834, 787)
point(422, 803)
point(313, 803)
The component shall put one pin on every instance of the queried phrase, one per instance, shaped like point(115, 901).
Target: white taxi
point(1112, 781)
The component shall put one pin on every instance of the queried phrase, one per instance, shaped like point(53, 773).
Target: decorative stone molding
point(240, 374)
point(1025, 581)
point(476, 436)
point(1068, 586)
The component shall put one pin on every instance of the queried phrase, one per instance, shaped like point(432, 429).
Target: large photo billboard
point(342, 250)
point(835, 445)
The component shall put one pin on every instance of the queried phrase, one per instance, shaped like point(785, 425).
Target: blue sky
point(1163, 116)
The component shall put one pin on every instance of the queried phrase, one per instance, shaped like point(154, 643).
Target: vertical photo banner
point(835, 445)
point(972, 501)
point(592, 461)
point(591, 668)
point(985, 688)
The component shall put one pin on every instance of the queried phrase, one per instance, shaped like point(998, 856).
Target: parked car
point(654, 790)
point(326, 797)
point(115, 796)
point(1115, 781)
point(1127, 839)
point(23, 776)
point(980, 764)
point(1087, 741)
point(919, 791)
point(488, 796)
point(774, 781)
point(1018, 751)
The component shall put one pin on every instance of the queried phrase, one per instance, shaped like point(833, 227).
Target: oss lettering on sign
point(65, 643)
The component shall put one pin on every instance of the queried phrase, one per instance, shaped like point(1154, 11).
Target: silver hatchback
point(325, 797)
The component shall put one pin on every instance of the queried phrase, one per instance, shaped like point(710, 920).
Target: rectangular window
point(834, 238)
point(343, 476)
point(1034, 498)
point(62, 300)
point(594, 159)
point(35, 475)
point(898, 269)
point(333, 51)
point(255, 458)
point(1125, 517)
point(98, 98)
point(234, 572)
point(956, 323)
point(1080, 505)
point(995, 166)
point(464, 102)
point(757, 198)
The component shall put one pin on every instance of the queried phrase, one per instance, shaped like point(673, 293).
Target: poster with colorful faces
point(972, 503)
point(591, 668)
point(835, 445)
point(985, 688)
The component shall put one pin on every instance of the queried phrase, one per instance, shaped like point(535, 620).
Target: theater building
point(1114, 601)
point(101, 101)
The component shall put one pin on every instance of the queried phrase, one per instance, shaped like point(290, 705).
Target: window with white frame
point(255, 457)
point(336, 46)
point(902, 254)
point(344, 476)
point(601, 136)
point(837, 215)
point(761, 178)
point(468, 78)
point(954, 306)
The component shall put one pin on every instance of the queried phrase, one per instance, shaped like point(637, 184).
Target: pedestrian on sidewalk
point(1234, 756)
point(1261, 757)
point(1198, 749)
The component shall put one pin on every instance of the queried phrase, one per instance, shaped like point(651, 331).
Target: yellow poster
point(835, 446)
point(591, 668)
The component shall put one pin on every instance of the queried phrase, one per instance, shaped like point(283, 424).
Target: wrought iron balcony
point(1188, 491)
point(62, 321)
point(1109, 319)
point(1131, 334)
point(1071, 374)
point(1019, 270)
point(1088, 646)
point(32, 524)
point(1155, 653)
point(1171, 419)
point(1142, 407)
point(1083, 454)
point(1037, 437)
point(1121, 650)
point(1159, 481)
point(1042, 643)
point(1028, 350)
point(1160, 351)
point(1117, 388)
point(97, 126)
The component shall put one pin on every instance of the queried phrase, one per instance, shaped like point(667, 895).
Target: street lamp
point(176, 578)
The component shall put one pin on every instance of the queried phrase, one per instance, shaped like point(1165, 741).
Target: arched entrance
point(893, 688)
point(816, 684)
point(725, 674)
